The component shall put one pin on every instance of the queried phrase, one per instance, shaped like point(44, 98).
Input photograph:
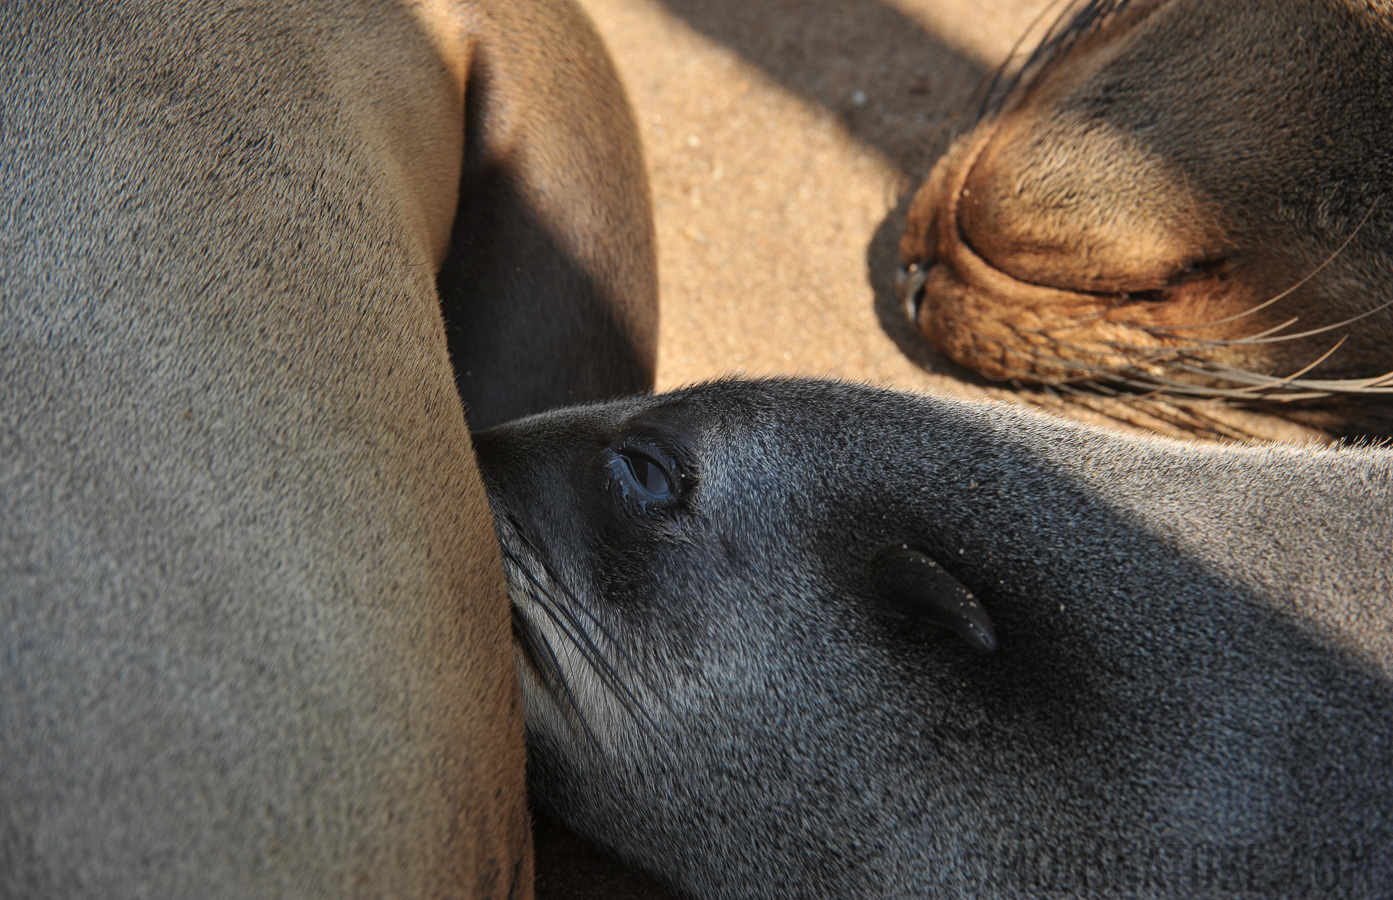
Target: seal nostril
point(909, 288)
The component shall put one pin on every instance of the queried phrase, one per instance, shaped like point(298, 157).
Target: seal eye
point(647, 474)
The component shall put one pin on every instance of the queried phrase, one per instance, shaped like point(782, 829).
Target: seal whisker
point(1138, 379)
point(1377, 382)
point(595, 659)
point(1203, 343)
point(549, 667)
point(1088, 386)
point(1154, 353)
point(1314, 331)
point(1382, 384)
point(1335, 254)
point(574, 630)
point(573, 627)
point(1261, 382)
point(551, 574)
point(1036, 356)
point(571, 596)
point(1150, 382)
point(1190, 418)
point(1072, 22)
point(992, 94)
point(1255, 385)
point(1247, 385)
point(1159, 352)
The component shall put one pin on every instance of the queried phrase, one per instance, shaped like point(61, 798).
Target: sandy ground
point(783, 140)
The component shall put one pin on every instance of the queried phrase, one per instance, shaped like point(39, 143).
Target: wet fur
point(1143, 203)
point(1191, 692)
point(255, 639)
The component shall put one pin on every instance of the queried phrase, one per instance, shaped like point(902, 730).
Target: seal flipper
point(915, 585)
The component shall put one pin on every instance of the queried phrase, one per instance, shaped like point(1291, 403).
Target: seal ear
point(915, 585)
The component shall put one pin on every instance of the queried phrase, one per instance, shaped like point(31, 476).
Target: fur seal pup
point(254, 633)
point(729, 603)
point(1191, 196)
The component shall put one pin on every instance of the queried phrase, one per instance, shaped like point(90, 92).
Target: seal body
point(725, 682)
point(253, 629)
point(1145, 203)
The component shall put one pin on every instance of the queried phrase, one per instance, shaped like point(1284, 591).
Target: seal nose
point(909, 288)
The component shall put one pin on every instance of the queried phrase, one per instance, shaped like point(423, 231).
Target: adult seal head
point(1185, 196)
point(815, 639)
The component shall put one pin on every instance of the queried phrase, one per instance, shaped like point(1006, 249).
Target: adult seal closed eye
point(731, 603)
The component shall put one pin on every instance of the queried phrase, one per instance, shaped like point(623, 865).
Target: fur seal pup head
point(729, 605)
point(1184, 195)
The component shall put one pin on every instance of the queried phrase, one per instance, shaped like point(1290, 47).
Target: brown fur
point(1126, 210)
point(254, 639)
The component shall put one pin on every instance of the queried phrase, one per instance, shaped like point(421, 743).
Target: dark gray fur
point(1191, 696)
